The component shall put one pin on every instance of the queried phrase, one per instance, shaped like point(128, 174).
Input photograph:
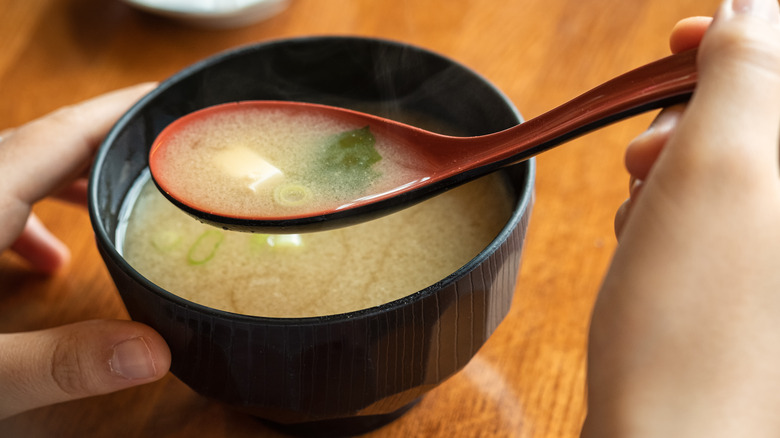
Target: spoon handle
point(661, 83)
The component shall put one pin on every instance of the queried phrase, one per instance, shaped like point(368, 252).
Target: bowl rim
point(522, 207)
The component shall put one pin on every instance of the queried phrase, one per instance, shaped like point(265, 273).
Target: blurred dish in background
point(213, 13)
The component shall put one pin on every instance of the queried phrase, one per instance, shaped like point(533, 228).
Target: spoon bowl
point(444, 161)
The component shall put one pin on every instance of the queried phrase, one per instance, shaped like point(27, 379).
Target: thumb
point(75, 361)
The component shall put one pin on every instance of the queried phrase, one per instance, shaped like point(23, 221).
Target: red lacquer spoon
point(451, 161)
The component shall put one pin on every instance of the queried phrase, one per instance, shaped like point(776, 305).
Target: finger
point(687, 33)
point(75, 193)
point(621, 216)
point(624, 211)
point(44, 251)
point(644, 150)
point(76, 361)
point(5, 133)
point(736, 101)
point(40, 156)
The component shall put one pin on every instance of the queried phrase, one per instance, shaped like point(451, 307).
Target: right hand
point(684, 338)
point(642, 153)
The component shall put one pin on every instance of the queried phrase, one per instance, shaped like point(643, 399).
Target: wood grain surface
point(528, 380)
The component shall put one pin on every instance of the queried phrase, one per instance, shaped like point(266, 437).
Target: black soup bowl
point(343, 373)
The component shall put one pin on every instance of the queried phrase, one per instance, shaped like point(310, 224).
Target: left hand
point(50, 156)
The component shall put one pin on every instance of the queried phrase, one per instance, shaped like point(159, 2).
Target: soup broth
point(239, 160)
point(313, 274)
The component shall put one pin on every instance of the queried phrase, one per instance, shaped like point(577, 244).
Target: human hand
point(683, 338)
point(642, 153)
point(49, 156)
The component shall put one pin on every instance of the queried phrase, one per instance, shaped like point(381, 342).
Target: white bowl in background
point(213, 13)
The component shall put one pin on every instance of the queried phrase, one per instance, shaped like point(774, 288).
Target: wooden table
point(528, 380)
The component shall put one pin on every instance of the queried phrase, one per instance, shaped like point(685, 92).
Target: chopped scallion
point(284, 240)
point(292, 194)
point(205, 247)
point(165, 240)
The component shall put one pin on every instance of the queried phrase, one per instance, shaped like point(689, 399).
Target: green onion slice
point(205, 247)
point(292, 195)
point(165, 240)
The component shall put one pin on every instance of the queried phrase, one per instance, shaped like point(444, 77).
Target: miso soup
point(247, 161)
point(311, 274)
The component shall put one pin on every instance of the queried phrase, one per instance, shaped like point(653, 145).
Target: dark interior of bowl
point(292, 371)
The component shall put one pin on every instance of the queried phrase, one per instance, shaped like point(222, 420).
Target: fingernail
point(764, 9)
point(667, 118)
point(132, 359)
point(662, 124)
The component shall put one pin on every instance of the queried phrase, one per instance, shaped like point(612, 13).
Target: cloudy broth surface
point(312, 274)
point(244, 161)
